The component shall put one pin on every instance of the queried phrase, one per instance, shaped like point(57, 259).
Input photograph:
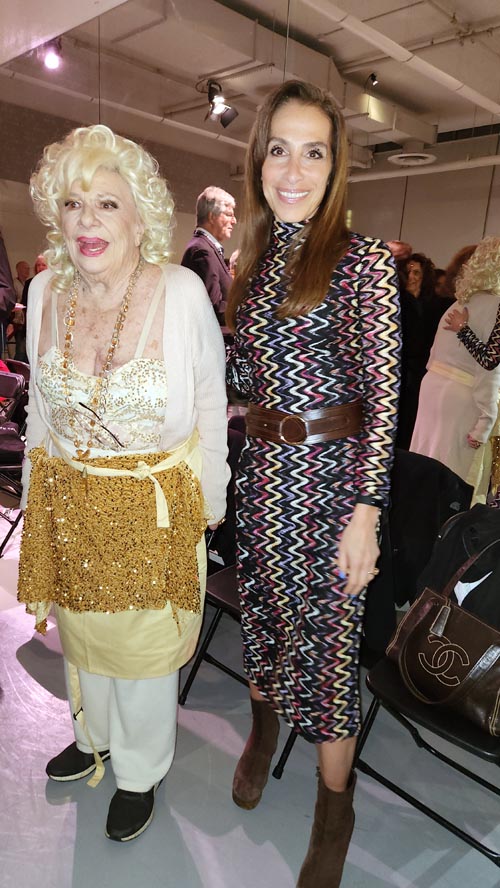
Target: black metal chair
point(12, 444)
point(222, 595)
point(389, 691)
point(21, 369)
point(222, 590)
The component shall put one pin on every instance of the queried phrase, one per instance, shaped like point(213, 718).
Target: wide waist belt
point(313, 426)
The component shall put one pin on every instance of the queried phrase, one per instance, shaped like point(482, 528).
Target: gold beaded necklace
point(98, 399)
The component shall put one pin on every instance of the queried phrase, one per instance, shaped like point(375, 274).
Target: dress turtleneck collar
point(286, 233)
point(287, 229)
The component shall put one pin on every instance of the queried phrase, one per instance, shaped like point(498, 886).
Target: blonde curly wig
point(481, 273)
point(77, 158)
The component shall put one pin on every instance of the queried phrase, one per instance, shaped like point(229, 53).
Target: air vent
point(411, 158)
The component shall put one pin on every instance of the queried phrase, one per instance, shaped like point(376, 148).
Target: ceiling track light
point(52, 54)
point(218, 107)
point(371, 80)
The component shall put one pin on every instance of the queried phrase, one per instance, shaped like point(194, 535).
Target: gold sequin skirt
point(91, 544)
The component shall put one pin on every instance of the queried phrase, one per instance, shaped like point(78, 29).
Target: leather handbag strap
point(450, 585)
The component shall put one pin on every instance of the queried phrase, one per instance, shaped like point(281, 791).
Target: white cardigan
point(193, 352)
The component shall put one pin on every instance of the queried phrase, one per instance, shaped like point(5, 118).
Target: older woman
point(127, 446)
point(315, 312)
point(459, 399)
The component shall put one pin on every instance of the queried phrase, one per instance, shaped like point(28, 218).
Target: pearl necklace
point(98, 399)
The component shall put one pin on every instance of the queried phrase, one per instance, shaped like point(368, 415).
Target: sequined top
point(136, 400)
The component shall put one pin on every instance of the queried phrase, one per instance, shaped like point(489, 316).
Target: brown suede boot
point(252, 769)
point(330, 837)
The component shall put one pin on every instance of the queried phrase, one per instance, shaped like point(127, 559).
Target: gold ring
point(374, 572)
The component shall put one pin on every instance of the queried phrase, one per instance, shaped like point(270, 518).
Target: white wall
point(437, 213)
point(23, 234)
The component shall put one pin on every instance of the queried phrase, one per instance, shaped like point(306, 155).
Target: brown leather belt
point(313, 426)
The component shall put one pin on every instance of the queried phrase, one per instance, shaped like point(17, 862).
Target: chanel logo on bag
point(443, 660)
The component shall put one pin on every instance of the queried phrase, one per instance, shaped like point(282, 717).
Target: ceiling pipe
point(443, 40)
point(400, 54)
point(117, 106)
point(449, 166)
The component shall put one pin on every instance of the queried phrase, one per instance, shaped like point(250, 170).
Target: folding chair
point(222, 590)
point(221, 594)
point(22, 369)
point(389, 691)
point(12, 444)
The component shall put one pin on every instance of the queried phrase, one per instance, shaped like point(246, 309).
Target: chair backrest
point(238, 422)
point(12, 385)
point(19, 367)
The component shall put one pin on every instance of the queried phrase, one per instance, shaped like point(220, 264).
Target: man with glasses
point(204, 254)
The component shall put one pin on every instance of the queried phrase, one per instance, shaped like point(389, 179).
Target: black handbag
point(11, 443)
point(449, 657)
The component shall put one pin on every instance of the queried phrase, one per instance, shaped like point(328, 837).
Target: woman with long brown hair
point(315, 313)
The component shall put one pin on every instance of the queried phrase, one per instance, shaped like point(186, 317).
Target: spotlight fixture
point(373, 79)
point(52, 57)
point(218, 107)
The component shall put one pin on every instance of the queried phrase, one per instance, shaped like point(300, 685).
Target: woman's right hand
point(456, 319)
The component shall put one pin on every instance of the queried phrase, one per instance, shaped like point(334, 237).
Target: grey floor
point(51, 835)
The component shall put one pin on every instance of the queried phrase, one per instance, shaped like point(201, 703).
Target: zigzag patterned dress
point(301, 631)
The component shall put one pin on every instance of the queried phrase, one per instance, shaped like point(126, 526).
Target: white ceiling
point(142, 67)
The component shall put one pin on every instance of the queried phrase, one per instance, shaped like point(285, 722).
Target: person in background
point(126, 445)
point(20, 332)
point(419, 320)
point(443, 301)
point(7, 293)
point(458, 403)
point(439, 283)
point(454, 268)
point(18, 317)
point(204, 254)
point(316, 317)
point(22, 275)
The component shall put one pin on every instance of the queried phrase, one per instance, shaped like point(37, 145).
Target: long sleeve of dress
point(485, 391)
point(487, 354)
point(380, 345)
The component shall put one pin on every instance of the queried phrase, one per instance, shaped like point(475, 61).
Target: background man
point(18, 317)
point(204, 254)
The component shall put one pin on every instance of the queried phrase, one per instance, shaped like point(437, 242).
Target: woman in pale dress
point(126, 441)
point(458, 401)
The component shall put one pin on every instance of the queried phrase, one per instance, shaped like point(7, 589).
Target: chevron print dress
point(301, 632)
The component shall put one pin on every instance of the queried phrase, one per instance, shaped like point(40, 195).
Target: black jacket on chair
point(463, 536)
point(424, 494)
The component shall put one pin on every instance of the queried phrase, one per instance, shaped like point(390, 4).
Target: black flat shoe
point(130, 813)
point(72, 764)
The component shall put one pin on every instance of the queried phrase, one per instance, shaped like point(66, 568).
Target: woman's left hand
point(456, 319)
point(358, 549)
point(472, 442)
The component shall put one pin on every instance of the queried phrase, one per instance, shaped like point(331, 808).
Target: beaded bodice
point(134, 413)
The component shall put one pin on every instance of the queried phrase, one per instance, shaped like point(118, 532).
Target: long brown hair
point(326, 236)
